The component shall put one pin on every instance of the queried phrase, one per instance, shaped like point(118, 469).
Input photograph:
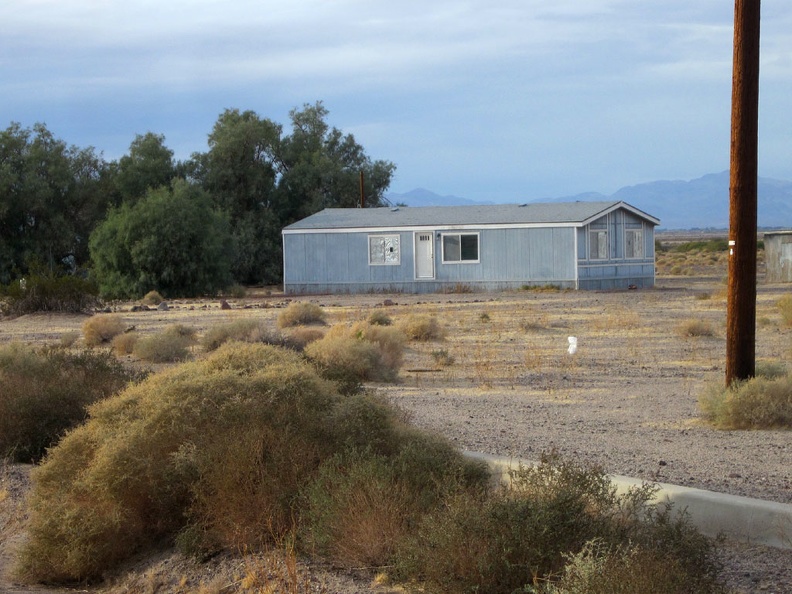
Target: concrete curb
point(742, 518)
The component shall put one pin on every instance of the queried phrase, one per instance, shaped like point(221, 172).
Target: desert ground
point(503, 382)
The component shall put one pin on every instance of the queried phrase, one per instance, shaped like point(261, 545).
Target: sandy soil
point(627, 400)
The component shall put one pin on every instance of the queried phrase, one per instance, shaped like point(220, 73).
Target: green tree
point(148, 165)
point(51, 196)
point(173, 240)
point(266, 180)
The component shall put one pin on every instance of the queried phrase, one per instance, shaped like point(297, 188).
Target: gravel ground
point(627, 400)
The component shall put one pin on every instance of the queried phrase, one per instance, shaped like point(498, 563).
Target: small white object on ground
point(572, 345)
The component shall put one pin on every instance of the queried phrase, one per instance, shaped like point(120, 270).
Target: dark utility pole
point(741, 306)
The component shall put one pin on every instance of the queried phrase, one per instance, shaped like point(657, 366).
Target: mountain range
point(701, 203)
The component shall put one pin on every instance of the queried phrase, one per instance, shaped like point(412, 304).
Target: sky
point(496, 100)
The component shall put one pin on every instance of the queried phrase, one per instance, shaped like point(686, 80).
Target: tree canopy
point(256, 177)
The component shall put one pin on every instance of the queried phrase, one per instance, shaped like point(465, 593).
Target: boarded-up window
point(461, 247)
point(598, 245)
point(633, 243)
point(384, 250)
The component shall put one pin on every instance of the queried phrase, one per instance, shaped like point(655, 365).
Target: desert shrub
point(152, 298)
point(421, 327)
point(442, 357)
point(302, 336)
point(695, 328)
point(757, 403)
point(250, 331)
point(168, 346)
point(68, 339)
point(484, 317)
point(352, 355)
point(102, 328)
point(237, 291)
point(34, 293)
point(214, 453)
point(379, 318)
point(521, 535)
point(785, 307)
point(770, 369)
point(301, 313)
point(45, 392)
point(362, 505)
point(604, 569)
point(124, 343)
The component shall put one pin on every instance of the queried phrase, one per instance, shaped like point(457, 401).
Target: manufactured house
point(580, 245)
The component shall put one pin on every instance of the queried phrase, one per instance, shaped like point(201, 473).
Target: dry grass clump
point(301, 313)
point(102, 328)
point(785, 308)
point(46, 392)
point(217, 453)
point(421, 327)
point(246, 330)
point(302, 336)
point(169, 346)
point(695, 328)
point(757, 403)
point(152, 298)
point(442, 357)
point(124, 344)
point(352, 355)
point(379, 318)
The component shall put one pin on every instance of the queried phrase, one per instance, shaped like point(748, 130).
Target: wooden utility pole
point(741, 306)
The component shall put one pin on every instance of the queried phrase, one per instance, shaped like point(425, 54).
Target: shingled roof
point(536, 213)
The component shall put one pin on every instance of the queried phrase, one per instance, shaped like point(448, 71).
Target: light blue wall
point(508, 259)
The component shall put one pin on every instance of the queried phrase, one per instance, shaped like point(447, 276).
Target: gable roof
point(568, 214)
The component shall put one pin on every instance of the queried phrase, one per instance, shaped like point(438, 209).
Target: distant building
point(778, 256)
point(580, 245)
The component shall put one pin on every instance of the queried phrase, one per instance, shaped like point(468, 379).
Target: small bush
point(443, 358)
point(101, 329)
point(124, 343)
point(785, 307)
point(302, 336)
point(69, 339)
point(758, 403)
point(379, 318)
point(421, 327)
point(696, 328)
point(771, 369)
point(237, 291)
point(168, 346)
point(45, 392)
point(152, 298)
point(301, 313)
point(70, 294)
point(484, 317)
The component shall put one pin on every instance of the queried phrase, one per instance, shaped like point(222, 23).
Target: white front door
point(424, 255)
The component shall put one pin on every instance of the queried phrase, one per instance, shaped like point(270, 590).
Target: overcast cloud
point(505, 100)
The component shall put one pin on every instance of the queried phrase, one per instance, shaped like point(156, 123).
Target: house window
point(633, 243)
point(460, 247)
point(598, 244)
point(384, 250)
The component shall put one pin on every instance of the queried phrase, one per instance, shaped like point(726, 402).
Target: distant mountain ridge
point(699, 203)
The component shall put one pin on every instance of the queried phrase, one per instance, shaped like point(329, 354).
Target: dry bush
point(442, 357)
point(215, 451)
point(68, 339)
point(379, 318)
point(246, 330)
point(758, 403)
point(352, 355)
point(785, 308)
point(695, 328)
point(46, 392)
point(301, 313)
point(302, 336)
point(152, 298)
point(102, 328)
point(124, 344)
point(168, 346)
point(421, 327)
point(521, 535)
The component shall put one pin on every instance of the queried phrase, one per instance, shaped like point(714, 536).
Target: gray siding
point(778, 256)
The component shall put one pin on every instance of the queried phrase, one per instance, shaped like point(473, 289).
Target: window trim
point(459, 234)
point(395, 236)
